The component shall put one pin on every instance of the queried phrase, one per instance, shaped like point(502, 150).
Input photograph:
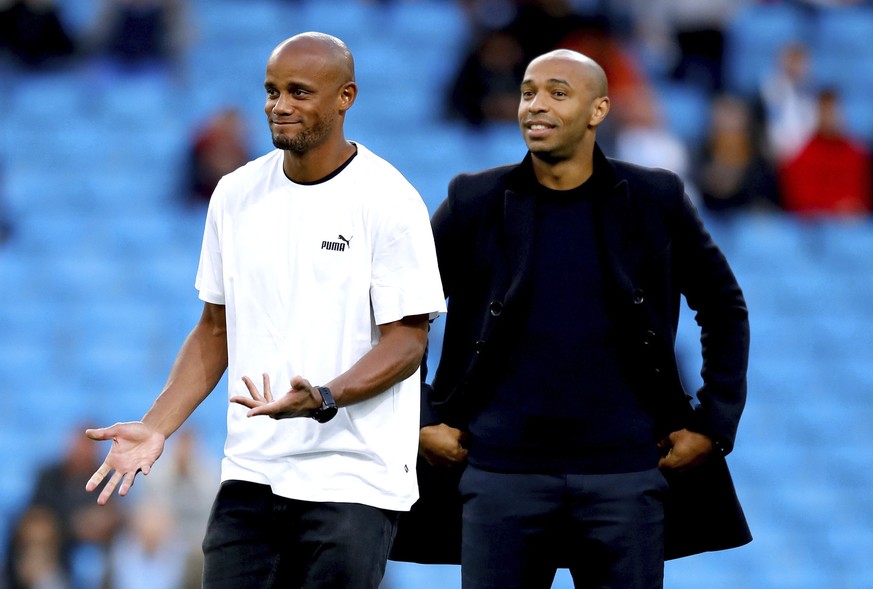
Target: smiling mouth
point(538, 130)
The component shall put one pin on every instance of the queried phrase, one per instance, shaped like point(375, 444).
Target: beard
point(305, 139)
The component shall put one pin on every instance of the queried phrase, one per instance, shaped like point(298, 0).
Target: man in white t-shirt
point(319, 276)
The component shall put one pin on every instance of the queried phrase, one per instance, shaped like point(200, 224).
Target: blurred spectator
point(832, 173)
point(34, 553)
point(140, 32)
point(541, 25)
point(86, 528)
point(218, 147)
point(733, 172)
point(148, 553)
point(788, 103)
point(627, 78)
point(185, 484)
point(486, 86)
point(699, 30)
point(643, 138)
point(33, 33)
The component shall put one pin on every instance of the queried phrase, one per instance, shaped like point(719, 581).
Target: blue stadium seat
point(686, 110)
point(753, 40)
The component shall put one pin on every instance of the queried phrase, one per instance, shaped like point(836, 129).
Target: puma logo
point(337, 246)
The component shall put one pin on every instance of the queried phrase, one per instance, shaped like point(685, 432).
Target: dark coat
point(653, 248)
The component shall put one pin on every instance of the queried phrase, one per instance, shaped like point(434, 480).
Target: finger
point(109, 488)
point(126, 483)
point(248, 402)
point(262, 409)
point(97, 477)
point(268, 392)
point(298, 383)
point(253, 390)
point(101, 433)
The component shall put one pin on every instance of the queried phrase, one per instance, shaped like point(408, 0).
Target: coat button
point(649, 337)
point(638, 295)
point(495, 308)
point(479, 346)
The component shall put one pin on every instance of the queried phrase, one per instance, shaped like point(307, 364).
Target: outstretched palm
point(135, 447)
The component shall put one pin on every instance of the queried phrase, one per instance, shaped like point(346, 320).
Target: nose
point(282, 104)
point(537, 104)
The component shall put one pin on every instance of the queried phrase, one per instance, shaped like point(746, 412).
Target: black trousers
point(258, 540)
point(518, 529)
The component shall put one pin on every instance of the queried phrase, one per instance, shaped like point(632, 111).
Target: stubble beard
point(305, 140)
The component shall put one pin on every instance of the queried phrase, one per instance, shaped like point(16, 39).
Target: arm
point(712, 291)
point(439, 443)
point(136, 445)
point(395, 358)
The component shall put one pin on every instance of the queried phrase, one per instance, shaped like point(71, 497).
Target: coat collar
point(613, 214)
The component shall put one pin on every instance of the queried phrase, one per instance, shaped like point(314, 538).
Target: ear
point(347, 95)
point(601, 109)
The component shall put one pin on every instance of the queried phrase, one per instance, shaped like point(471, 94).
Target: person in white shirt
point(318, 275)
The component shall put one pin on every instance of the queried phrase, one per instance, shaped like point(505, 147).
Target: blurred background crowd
point(119, 116)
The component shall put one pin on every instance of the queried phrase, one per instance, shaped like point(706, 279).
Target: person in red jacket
point(831, 174)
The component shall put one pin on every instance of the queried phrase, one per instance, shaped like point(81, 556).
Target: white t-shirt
point(306, 273)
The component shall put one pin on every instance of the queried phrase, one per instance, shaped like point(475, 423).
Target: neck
point(317, 163)
point(562, 174)
point(567, 171)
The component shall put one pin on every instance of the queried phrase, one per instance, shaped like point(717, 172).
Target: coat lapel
point(518, 218)
point(615, 224)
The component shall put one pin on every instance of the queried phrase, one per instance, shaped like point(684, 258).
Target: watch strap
point(328, 408)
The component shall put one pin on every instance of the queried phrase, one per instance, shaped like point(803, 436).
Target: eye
point(559, 94)
point(272, 93)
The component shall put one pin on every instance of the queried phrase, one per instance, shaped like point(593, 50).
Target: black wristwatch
point(328, 406)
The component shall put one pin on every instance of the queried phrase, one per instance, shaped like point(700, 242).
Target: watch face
point(328, 406)
point(325, 413)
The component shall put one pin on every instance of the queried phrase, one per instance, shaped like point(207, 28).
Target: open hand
point(301, 400)
point(135, 448)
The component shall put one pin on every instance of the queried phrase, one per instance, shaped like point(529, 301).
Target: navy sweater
point(560, 400)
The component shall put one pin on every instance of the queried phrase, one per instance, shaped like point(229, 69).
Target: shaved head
point(587, 67)
point(563, 101)
point(334, 54)
point(310, 85)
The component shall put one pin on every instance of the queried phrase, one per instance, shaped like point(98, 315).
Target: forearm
point(396, 357)
point(198, 368)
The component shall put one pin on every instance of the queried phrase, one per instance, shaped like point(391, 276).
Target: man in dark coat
point(557, 424)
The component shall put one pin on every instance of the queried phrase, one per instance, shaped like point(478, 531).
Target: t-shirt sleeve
point(209, 281)
point(405, 278)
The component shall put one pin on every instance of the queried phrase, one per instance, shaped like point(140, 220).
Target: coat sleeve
point(440, 224)
point(712, 292)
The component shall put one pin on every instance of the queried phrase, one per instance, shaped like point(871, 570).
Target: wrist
point(327, 410)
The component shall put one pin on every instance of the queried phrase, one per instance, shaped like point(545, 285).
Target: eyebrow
point(550, 81)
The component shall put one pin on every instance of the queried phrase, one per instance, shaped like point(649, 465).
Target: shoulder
point(652, 189)
point(370, 165)
point(482, 182)
point(649, 179)
point(380, 180)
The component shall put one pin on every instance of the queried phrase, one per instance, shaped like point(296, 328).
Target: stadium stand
point(96, 284)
